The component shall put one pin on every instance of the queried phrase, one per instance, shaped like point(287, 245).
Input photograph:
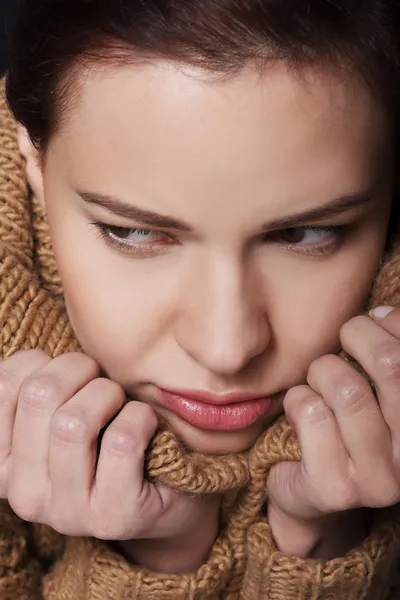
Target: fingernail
point(380, 312)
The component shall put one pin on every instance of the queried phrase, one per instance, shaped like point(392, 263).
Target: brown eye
point(292, 236)
point(306, 236)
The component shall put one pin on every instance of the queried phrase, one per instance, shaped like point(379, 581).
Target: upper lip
point(216, 399)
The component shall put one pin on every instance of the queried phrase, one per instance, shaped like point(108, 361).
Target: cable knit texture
point(36, 563)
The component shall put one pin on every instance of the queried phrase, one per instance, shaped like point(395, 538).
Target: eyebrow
point(334, 208)
point(149, 218)
point(131, 212)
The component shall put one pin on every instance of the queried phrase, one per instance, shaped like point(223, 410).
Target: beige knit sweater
point(244, 563)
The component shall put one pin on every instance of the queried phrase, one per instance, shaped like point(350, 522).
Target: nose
point(222, 323)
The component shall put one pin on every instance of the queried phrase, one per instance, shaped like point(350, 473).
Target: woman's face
point(241, 224)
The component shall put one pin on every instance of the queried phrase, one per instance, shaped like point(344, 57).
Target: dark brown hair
point(54, 37)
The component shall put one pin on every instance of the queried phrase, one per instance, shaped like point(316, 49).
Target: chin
point(215, 442)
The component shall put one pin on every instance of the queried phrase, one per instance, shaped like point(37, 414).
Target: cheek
point(118, 307)
point(311, 307)
point(114, 327)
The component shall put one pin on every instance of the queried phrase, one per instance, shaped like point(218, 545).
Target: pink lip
point(230, 412)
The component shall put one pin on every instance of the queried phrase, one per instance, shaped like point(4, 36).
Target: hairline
point(72, 77)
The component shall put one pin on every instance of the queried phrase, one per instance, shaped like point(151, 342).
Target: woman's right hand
point(53, 470)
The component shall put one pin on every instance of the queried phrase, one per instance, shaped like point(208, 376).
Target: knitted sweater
point(36, 563)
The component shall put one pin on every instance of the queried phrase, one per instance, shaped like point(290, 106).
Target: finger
point(388, 317)
point(322, 479)
point(40, 396)
point(378, 352)
point(75, 429)
point(119, 478)
point(362, 427)
point(13, 372)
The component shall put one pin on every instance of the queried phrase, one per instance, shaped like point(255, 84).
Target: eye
point(307, 236)
point(311, 240)
point(135, 235)
point(135, 241)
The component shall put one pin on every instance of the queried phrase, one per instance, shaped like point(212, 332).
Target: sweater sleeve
point(90, 570)
point(365, 573)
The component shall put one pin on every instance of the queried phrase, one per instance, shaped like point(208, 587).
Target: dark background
point(7, 12)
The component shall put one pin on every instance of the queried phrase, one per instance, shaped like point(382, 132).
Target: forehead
point(215, 135)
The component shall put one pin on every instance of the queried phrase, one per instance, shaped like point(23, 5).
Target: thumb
point(289, 492)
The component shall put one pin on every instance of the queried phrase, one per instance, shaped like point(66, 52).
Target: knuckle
point(11, 379)
point(103, 533)
point(391, 494)
point(382, 493)
point(396, 458)
point(320, 368)
point(149, 415)
point(142, 417)
point(313, 410)
point(69, 525)
point(321, 362)
point(296, 394)
point(121, 439)
point(295, 399)
point(3, 488)
point(387, 360)
point(86, 360)
point(23, 511)
point(63, 528)
point(106, 387)
point(106, 532)
point(290, 402)
point(40, 391)
point(26, 504)
point(352, 393)
point(341, 503)
point(347, 329)
point(339, 497)
point(70, 425)
point(79, 362)
point(103, 527)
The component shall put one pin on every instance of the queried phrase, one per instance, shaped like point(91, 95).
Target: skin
point(228, 305)
point(221, 310)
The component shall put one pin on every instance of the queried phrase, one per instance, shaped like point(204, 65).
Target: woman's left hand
point(349, 435)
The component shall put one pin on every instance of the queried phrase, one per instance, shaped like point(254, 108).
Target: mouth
point(210, 412)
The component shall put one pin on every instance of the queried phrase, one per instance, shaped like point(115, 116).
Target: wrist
point(183, 553)
point(326, 537)
point(168, 555)
point(293, 536)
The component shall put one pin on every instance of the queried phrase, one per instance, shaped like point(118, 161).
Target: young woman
point(218, 182)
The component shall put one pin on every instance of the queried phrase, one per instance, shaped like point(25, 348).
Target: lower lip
point(212, 417)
